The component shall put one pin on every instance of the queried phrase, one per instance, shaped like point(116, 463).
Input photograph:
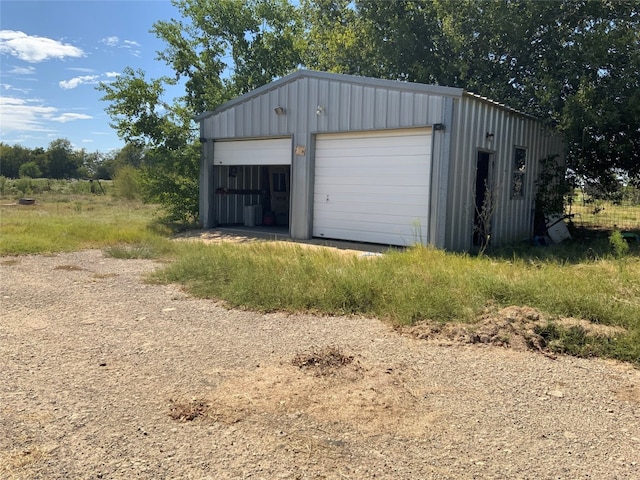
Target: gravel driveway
point(104, 376)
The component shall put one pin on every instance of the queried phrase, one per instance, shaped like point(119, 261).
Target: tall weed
point(126, 183)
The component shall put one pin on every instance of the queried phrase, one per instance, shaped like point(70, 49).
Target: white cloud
point(9, 87)
point(111, 41)
point(83, 70)
point(34, 49)
point(130, 45)
point(18, 115)
point(70, 117)
point(76, 81)
point(32, 115)
point(22, 71)
point(86, 79)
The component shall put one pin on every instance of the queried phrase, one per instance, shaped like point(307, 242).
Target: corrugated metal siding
point(513, 217)
point(346, 107)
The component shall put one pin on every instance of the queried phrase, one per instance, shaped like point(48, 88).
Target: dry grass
point(322, 360)
point(69, 268)
point(371, 399)
point(14, 464)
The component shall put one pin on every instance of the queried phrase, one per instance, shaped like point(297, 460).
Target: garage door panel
point(377, 138)
point(361, 201)
point(373, 187)
point(362, 157)
point(374, 152)
point(389, 225)
point(354, 172)
point(365, 183)
point(385, 238)
point(388, 208)
point(271, 151)
point(381, 192)
point(385, 213)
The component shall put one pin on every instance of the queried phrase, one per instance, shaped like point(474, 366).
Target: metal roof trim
point(503, 106)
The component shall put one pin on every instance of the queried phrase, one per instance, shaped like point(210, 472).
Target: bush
point(24, 185)
point(126, 183)
point(618, 244)
point(30, 169)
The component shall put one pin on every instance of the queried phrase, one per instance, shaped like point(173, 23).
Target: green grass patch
point(68, 222)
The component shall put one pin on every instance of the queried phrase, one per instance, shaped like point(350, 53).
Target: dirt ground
point(105, 376)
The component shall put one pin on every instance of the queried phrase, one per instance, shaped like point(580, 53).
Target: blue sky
point(54, 53)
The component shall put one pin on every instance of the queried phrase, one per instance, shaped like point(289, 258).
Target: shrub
point(618, 244)
point(30, 169)
point(126, 183)
point(24, 185)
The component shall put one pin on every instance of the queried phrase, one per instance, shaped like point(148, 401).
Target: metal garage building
point(369, 160)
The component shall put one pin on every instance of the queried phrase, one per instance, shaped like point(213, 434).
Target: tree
point(224, 48)
point(30, 169)
point(601, 116)
point(131, 155)
point(574, 63)
point(163, 132)
point(337, 39)
point(62, 161)
point(262, 39)
point(11, 158)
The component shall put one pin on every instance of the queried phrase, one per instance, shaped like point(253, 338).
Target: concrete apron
point(281, 234)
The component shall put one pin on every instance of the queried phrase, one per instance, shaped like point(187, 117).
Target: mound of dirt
point(514, 327)
point(324, 361)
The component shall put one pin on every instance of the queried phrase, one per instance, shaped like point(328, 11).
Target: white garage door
point(373, 187)
point(272, 151)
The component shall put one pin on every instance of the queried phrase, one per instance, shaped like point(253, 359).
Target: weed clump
point(618, 244)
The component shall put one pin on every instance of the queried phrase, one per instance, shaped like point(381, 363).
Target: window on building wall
point(519, 170)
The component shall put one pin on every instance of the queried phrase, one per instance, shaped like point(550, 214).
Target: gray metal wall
point(350, 104)
point(474, 117)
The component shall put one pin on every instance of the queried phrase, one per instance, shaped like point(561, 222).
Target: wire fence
point(619, 213)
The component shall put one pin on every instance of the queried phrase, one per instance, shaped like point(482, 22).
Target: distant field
point(60, 221)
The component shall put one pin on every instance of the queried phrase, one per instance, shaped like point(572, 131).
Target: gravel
point(106, 376)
